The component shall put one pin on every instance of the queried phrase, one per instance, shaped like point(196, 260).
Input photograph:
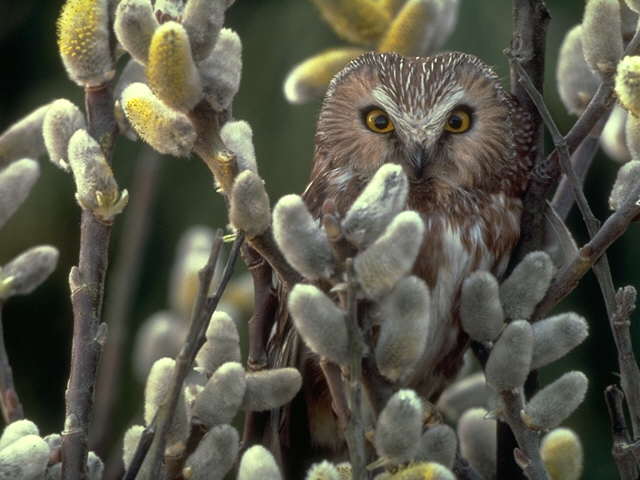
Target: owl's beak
point(417, 161)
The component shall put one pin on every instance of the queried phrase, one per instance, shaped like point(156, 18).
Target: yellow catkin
point(424, 471)
point(83, 41)
point(628, 84)
point(562, 454)
point(414, 30)
point(362, 22)
point(171, 71)
point(309, 80)
point(165, 130)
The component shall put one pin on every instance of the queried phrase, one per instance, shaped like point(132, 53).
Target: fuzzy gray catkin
point(627, 182)
point(134, 26)
point(556, 336)
point(399, 427)
point(269, 389)
point(301, 240)
point(62, 120)
point(24, 459)
point(562, 454)
point(203, 20)
point(320, 322)
point(222, 396)
point(249, 209)
point(510, 359)
point(215, 455)
point(16, 181)
point(23, 138)
point(16, 430)
point(602, 35)
point(626, 84)
point(238, 137)
point(555, 402)
point(480, 308)
point(404, 328)
point(466, 393)
point(161, 335)
point(438, 444)
point(391, 256)
point(95, 467)
point(27, 271)
point(526, 286)
point(477, 436)
point(613, 139)
point(221, 70)
point(382, 199)
point(258, 462)
point(222, 345)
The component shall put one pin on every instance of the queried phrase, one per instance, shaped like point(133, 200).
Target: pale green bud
point(510, 359)
point(221, 70)
point(477, 436)
point(27, 271)
point(249, 209)
point(438, 444)
point(480, 308)
point(556, 336)
point(62, 120)
point(222, 345)
point(602, 35)
point(222, 396)
point(16, 430)
point(130, 444)
point(258, 462)
point(215, 455)
point(269, 389)
point(399, 427)
point(562, 454)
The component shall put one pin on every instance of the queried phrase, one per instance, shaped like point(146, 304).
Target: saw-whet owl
point(465, 146)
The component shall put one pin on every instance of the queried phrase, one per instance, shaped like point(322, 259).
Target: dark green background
point(276, 34)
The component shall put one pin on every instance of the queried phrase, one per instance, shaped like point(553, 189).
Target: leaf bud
point(477, 436)
point(62, 120)
point(97, 190)
point(27, 271)
point(562, 454)
point(555, 402)
point(391, 256)
point(16, 181)
point(320, 323)
point(301, 239)
point(382, 199)
point(404, 328)
point(556, 336)
point(171, 71)
point(269, 389)
point(215, 455)
point(83, 41)
point(249, 209)
point(526, 286)
point(480, 308)
point(222, 345)
point(399, 427)
point(221, 70)
point(258, 462)
point(166, 130)
point(134, 26)
point(510, 360)
point(602, 35)
point(309, 79)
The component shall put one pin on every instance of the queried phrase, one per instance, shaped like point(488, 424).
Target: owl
point(464, 144)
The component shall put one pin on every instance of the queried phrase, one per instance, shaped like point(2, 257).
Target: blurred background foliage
point(276, 34)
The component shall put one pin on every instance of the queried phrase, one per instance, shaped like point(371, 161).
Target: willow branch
point(122, 289)
point(9, 400)
point(87, 290)
point(623, 456)
point(202, 311)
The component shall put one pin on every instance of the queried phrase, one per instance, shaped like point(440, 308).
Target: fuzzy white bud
point(383, 198)
point(258, 462)
point(95, 467)
point(323, 471)
point(301, 240)
point(215, 455)
point(62, 120)
point(626, 184)
point(222, 345)
point(134, 26)
point(404, 328)
point(203, 20)
point(438, 444)
point(221, 70)
point(16, 181)
point(130, 444)
point(16, 430)
point(480, 308)
point(556, 336)
point(391, 256)
point(477, 436)
point(269, 389)
point(613, 140)
point(510, 360)
point(24, 459)
point(602, 35)
point(24, 138)
point(555, 402)
point(320, 322)
point(222, 396)
point(161, 335)
point(238, 137)
point(27, 271)
point(399, 427)
point(526, 286)
point(249, 209)
point(466, 393)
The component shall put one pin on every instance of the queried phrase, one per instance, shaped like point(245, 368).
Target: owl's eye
point(458, 122)
point(378, 121)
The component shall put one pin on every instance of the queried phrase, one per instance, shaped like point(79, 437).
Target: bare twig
point(87, 289)
point(202, 311)
point(623, 456)
point(9, 400)
point(629, 372)
point(120, 294)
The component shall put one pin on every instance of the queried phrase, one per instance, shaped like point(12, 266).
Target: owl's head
point(446, 119)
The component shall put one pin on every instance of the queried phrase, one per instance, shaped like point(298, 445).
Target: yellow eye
point(458, 122)
point(379, 122)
